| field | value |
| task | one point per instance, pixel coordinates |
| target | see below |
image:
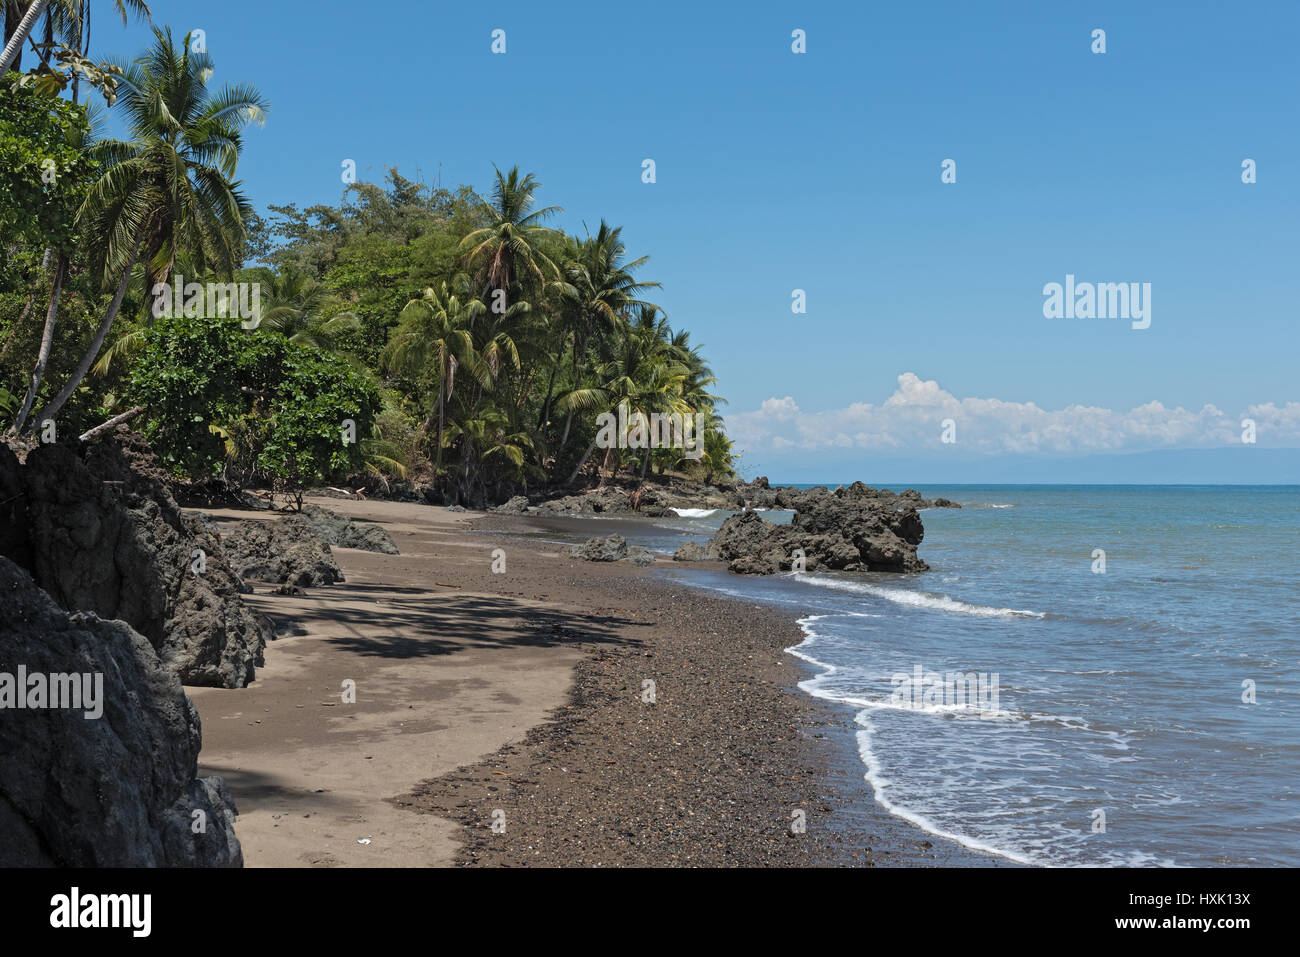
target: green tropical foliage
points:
(471, 343)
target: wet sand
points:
(519, 699)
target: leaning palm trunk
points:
(550, 386)
(47, 342)
(442, 416)
(20, 35)
(581, 462)
(564, 439)
(101, 334)
(608, 470)
(27, 308)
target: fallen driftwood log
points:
(111, 423)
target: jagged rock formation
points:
(612, 548)
(118, 790)
(99, 531)
(759, 494)
(853, 529)
(342, 531)
(656, 499)
(281, 552)
(637, 555)
(694, 552)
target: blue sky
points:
(821, 171)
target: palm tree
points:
(18, 26)
(505, 251)
(718, 453)
(79, 139)
(171, 187)
(293, 307)
(47, 342)
(71, 17)
(645, 372)
(597, 297)
(485, 437)
(433, 340)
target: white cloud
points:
(911, 420)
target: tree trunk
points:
(27, 307)
(442, 392)
(114, 421)
(581, 462)
(579, 345)
(14, 42)
(47, 342)
(550, 388)
(84, 365)
(564, 440)
(605, 473)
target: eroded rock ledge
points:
(118, 790)
(98, 530)
(655, 499)
(854, 529)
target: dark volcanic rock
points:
(638, 555)
(604, 500)
(341, 531)
(768, 564)
(743, 534)
(99, 531)
(118, 790)
(884, 535)
(515, 506)
(612, 548)
(853, 529)
(660, 496)
(283, 553)
(694, 552)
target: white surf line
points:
(872, 775)
(918, 599)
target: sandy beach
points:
(520, 698)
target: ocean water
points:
(1147, 714)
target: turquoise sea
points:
(1145, 714)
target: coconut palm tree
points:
(171, 187)
(718, 452)
(18, 27)
(505, 252)
(485, 438)
(293, 305)
(432, 341)
(70, 18)
(699, 374)
(646, 372)
(599, 292)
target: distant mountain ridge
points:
(1247, 465)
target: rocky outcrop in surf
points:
(760, 495)
(853, 529)
(98, 746)
(612, 548)
(669, 497)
